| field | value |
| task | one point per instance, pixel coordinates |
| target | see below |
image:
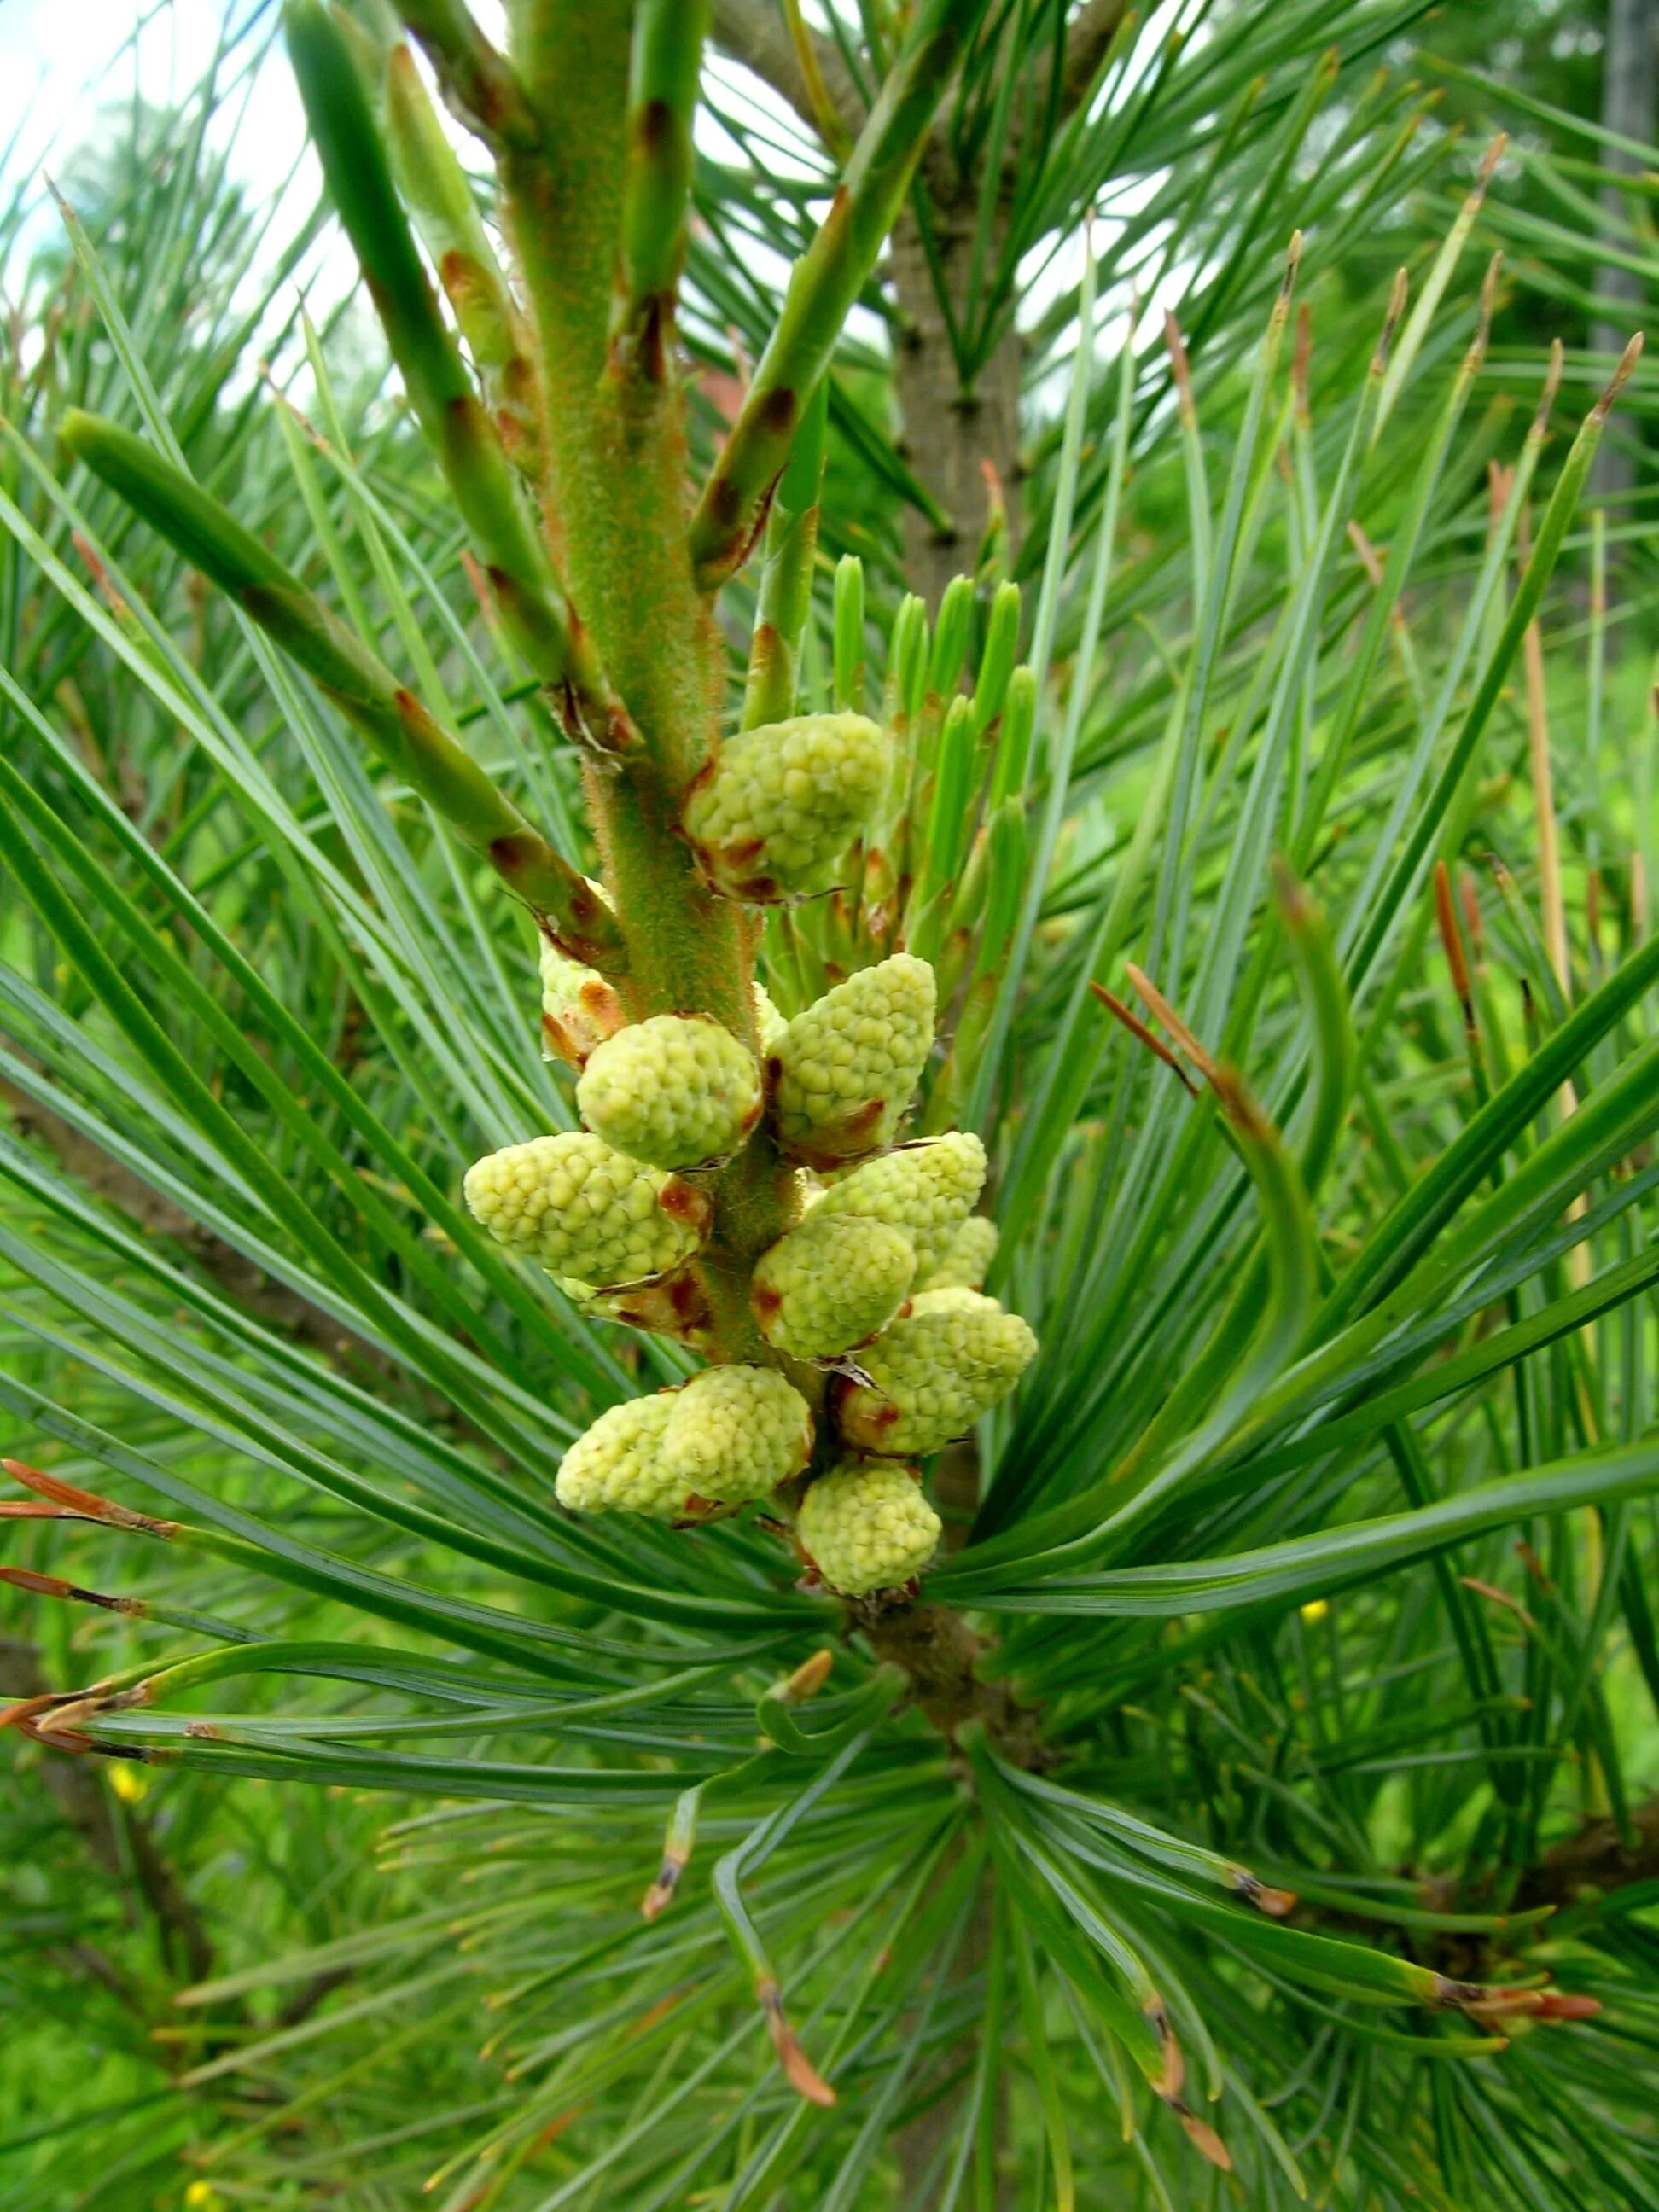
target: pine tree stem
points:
(941, 1654)
(615, 495)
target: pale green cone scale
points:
(866, 1526)
(950, 1297)
(924, 1189)
(678, 1090)
(768, 1021)
(952, 1358)
(736, 1433)
(774, 812)
(831, 1284)
(580, 1009)
(618, 1465)
(846, 1067)
(577, 1208)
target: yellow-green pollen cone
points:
(866, 1526)
(831, 1284)
(678, 1090)
(774, 812)
(735, 1433)
(578, 1208)
(847, 1065)
(924, 1189)
(967, 1259)
(952, 1358)
(618, 1465)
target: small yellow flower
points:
(1315, 1609)
(130, 1783)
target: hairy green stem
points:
(615, 481)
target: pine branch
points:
(480, 85)
(1598, 1857)
(246, 1286)
(536, 610)
(753, 32)
(940, 1655)
(1086, 45)
(407, 737)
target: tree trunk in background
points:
(1630, 106)
(947, 433)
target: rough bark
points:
(947, 431)
(950, 432)
(942, 1654)
(753, 32)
